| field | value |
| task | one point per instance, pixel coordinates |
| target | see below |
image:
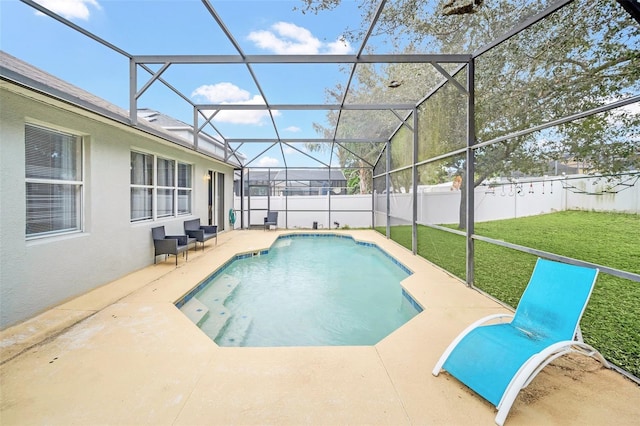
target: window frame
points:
(142, 186)
(187, 190)
(77, 185)
(155, 187)
(160, 189)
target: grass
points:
(611, 322)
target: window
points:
(54, 181)
(184, 188)
(166, 187)
(166, 181)
(141, 186)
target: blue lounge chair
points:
(497, 360)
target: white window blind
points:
(141, 186)
(54, 181)
(166, 187)
(184, 188)
(160, 187)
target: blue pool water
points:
(306, 291)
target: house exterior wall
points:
(36, 274)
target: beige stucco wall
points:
(37, 274)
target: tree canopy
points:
(583, 56)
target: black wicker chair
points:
(201, 233)
(271, 219)
(170, 244)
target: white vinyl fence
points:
(441, 205)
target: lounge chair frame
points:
(534, 364)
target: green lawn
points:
(611, 322)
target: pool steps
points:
(214, 319)
(237, 329)
(195, 310)
(217, 319)
(282, 243)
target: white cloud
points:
(339, 47)
(255, 117)
(222, 93)
(293, 129)
(288, 38)
(229, 93)
(289, 150)
(267, 161)
(70, 9)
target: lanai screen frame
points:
(469, 150)
(467, 61)
(202, 113)
(202, 119)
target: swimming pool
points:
(306, 290)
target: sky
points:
(164, 27)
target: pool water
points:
(307, 291)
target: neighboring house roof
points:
(261, 175)
(323, 174)
(26, 75)
(310, 174)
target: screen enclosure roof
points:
(279, 83)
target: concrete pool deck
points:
(124, 354)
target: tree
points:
(370, 88)
(582, 56)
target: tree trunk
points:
(462, 223)
(363, 179)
